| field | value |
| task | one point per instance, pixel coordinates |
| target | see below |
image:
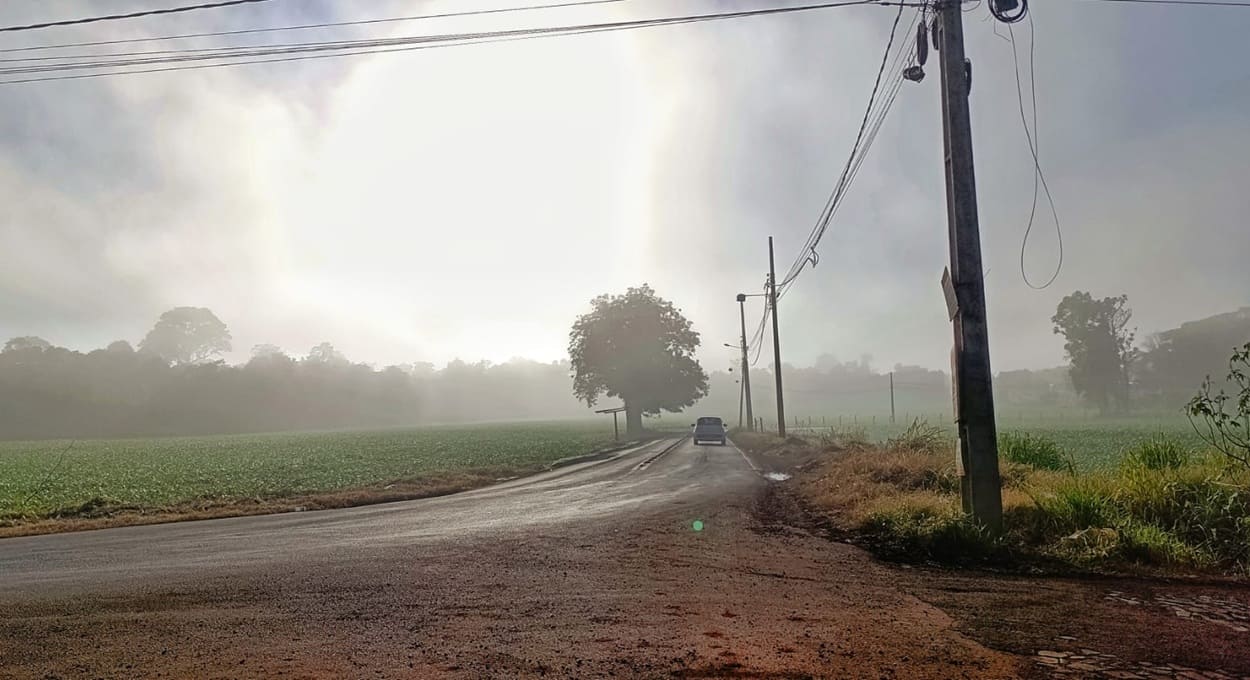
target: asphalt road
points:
(591, 570)
(634, 481)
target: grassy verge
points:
(60, 485)
(1164, 507)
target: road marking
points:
(744, 457)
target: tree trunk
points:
(633, 420)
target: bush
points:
(1032, 450)
(1159, 453)
(1148, 543)
(920, 436)
(1076, 504)
(926, 533)
(1221, 419)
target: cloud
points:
(468, 202)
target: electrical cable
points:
(822, 223)
(1196, 3)
(344, 48)
(860, 150)
(1034, 141)
(131, 15)
(304, 27)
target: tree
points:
(1177, 358)
(1225, 417)
(265, 350)
(325, 353)
(25, 342)
(1099, 346)
(119, 347)
(637, 347)
(187, 335)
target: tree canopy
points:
(27, 342)
(1099, 345)
(638, 347)
(187, 335)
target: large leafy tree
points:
(638, 347)
(187, 335)
(27, 342)
(1099, 345)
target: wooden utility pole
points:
(973, 395)
(746, 369)
(891, 397)
(772, 302)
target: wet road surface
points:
(592, 570)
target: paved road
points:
(592, 570)
(645, 478)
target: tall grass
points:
(1033, 450)
(1156, 454)
(1164, 505)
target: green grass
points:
(1092, 443)
(39, 478)
(1032, 450)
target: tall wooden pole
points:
(772, 302)
(974, 396)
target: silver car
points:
(709, 429)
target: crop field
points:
(1092, 443)
(44, 477)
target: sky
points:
(468, 202)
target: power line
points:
(303, 27)
(131, 15)
(1034, 140)
(858, 150)
(378, 46)
(1196, 3)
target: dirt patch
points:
(99, 514)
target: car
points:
(709, 429)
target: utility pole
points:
(772, 301)
(891, 397)
(746, 369)
(974, 397)
(740, 393)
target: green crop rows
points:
(1092, 443)
(37, 478)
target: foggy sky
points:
(468, 202)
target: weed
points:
(851, 437)
(923, 532)
(1156, 454)
(920, 436)
(1032, 450)
(1076, 504)
(1151, 544)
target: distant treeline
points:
(54, 392)
(173, 384)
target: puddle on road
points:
(776, 476)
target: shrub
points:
(1032, 450)
(926, 533)
(1148, 543)
(1157, 454)
(1078, 503)
(920, 436)
(1223, 420)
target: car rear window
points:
(709, 421)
